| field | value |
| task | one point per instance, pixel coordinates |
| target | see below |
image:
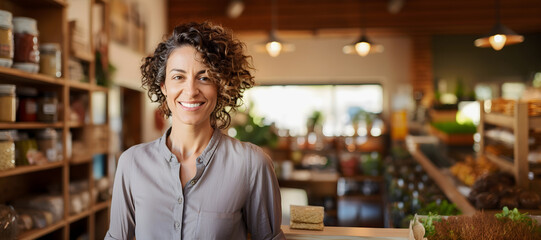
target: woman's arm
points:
(122, 223)
(263, 210)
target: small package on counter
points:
(306, 217)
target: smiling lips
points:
(191, 106)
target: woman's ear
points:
(163, 89)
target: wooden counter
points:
(346, 233)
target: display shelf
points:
(101, 205)
(31, 168)
(521, 124)
(36, 233)
(346, 233)
(462, 139)
(78, 216)
(80, 160)
(12, 75)
(76, 124)
(444, 181)
(83, 55)
(30, 125)
(503, 164)
(79, 85)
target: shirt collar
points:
(205, 156)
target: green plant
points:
(314, 120)
(515, 215)
(256, 132)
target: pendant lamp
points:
(500, 35)
(273, 46)
(363, 46)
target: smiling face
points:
(191, 95)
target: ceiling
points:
(327, 16)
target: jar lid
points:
(27, 91)
(25, 25)
(7, 89)
(49, 47)
(6, 135)
(5, 19)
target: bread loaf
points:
(306, 214)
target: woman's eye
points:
(204, 79)
(177, 77)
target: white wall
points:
(319, 60)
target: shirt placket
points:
(178, 209)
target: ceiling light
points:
(363, 46)
(235, 8)
(273, 46)
(500, 35)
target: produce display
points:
(498, 190)
(469, 170)
(509, 224)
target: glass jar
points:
(28, 104)
(50, 59)
(47, 105)
(7, 151)
(47, 143)
(7, 103)
(26, 54)
(6, 39)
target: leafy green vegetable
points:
(444, 209)
(515, 216)
(428, 223)
(454, 127)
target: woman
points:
(195, 182)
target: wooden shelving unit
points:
(448, 184)
(52, 21)
(521, 124)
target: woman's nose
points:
(191, 87)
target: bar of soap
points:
(307, 226)
(306, 214)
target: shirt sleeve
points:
(263, 210)
(122, 220)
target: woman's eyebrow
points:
(177, 70)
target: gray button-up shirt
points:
(234, 192)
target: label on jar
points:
(6, 43)
(49, 108)
(51, 154)
(31, 107)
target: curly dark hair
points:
(229, 68)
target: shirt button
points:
(199, 160)
(193, 182)
(179, 200)
(177, 225)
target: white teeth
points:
(191, 105)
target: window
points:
(290, 106)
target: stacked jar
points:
(50, 59)
(6, 39)
(47, 107)
(7, 151)
(26, 55)
(7, 103)
(28, 104)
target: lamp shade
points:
(499, 37)
(362, 47)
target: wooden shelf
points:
(78, 216)
(83, 55)
(36, 233)
(31, 168)
(76, 124)
(84, 86)
(499, 119)
(462, 139)
(80, 160)
(507, 121)
(444, 182)
(11, 75)
(100, 88)
(30, 125)
(43, 3)
(503, 164)
(101, 205)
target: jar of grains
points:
(47, 105)
(7, 103)
(7, 151)
(6, 39)
(26, 54)
(50, 59)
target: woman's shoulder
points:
(140, 150)
(247, 150)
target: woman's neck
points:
(186, 140)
